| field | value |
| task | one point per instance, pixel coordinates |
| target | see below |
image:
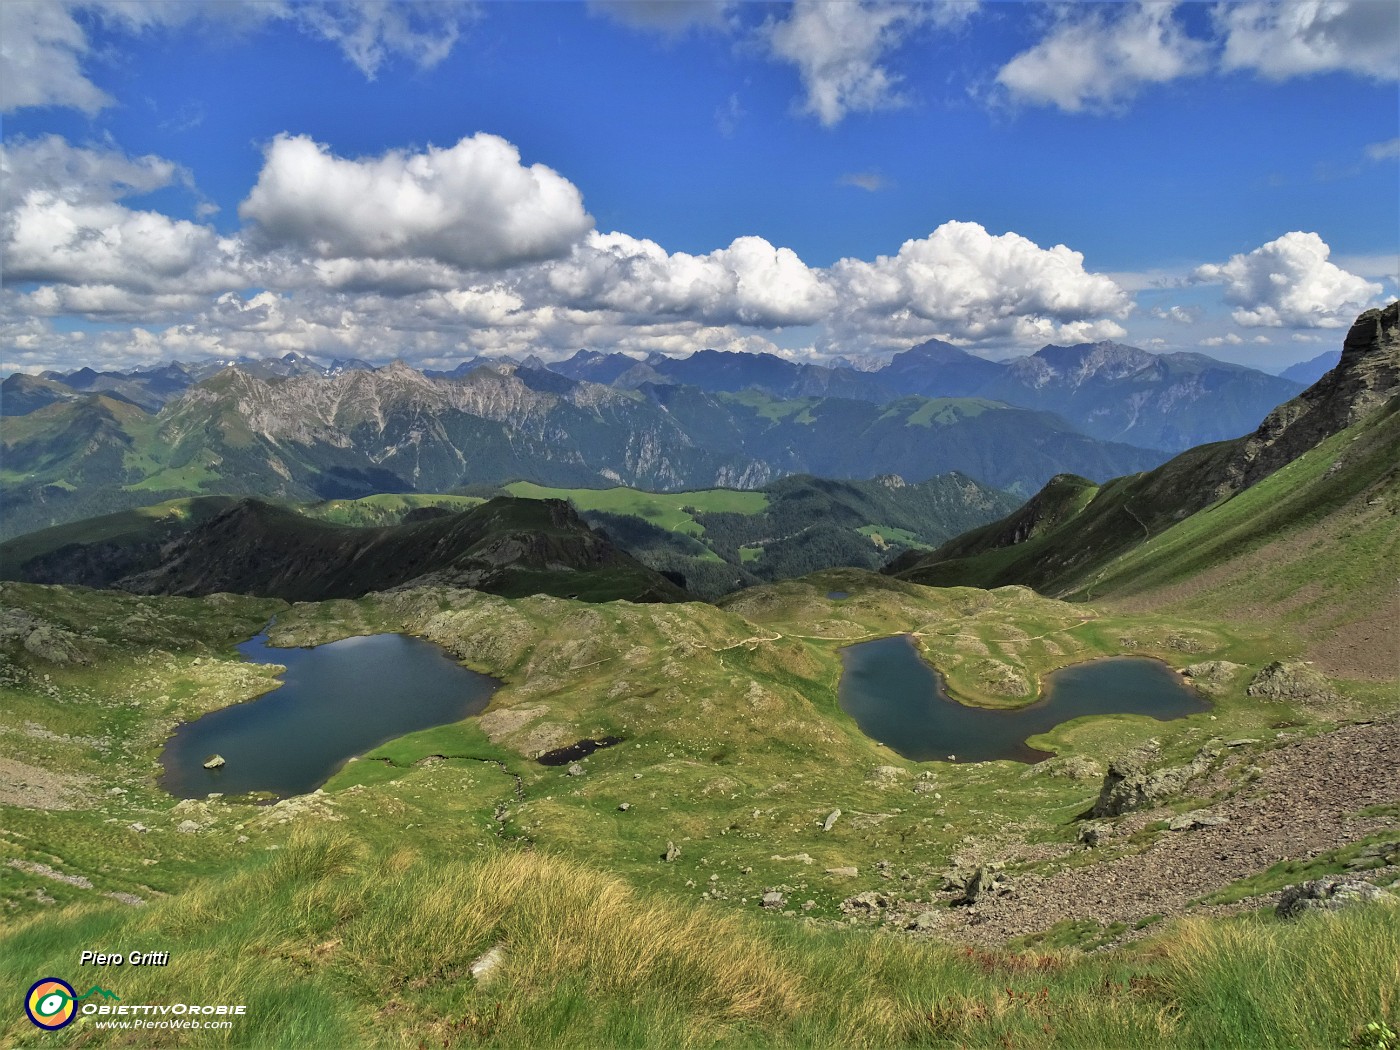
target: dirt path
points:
(1306, 800)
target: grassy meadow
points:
(353, 915)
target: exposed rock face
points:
(1367, 376)
(1330, 895)
(1293, 681)
(1130, 785)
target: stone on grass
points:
(831, 819)
(1330, 895)
(484, 965)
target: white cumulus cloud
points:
(750, 282)
(1289, 282)
(963, 282)
(473, 205)
(1098, 56)
(1301, 37)
(63, 224)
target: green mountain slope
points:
(1200, 511)
(1299, 549)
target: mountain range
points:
(1106, 390)
(311, 436)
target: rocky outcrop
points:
(1212, 676)
(1367, 376)
(1130, 785)
(1294, 682)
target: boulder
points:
(575, 770)
(672, 851)
(1212, 675)
(831, 819)
(1330, 895)
(773, 899)
(214, 762)
(1198, 818)
(1094, 834)
(1071, 767)
(869, 901)
(985, 880)
(886, 776)
(483, 966)
(843, 873)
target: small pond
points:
(899, 700)
(336, 700)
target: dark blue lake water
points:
(899, 700)
(335, 701)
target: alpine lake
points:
(336, 701)
(899, 700)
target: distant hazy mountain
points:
(1106, 390)
(1311, 371)
(313, 436)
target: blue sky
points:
(819, 179)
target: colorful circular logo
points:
(50, 1004)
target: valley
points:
(687, 785)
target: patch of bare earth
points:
(1306, 800)
(30, 787)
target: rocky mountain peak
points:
(1366, 377)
